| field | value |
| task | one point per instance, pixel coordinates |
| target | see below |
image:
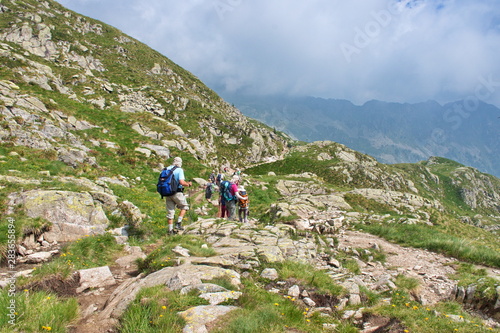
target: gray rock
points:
(132, 212)
(455, 318)
(197, 317)
(309, 302)
(203, 287)
(334, 262)
(354, 299)
(181, 251)
(220, 297)
(72, 214)
(95, 278)
(181, 279)
(270, 273)
(38, 257)
(294, 291)
(270, 254)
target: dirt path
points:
(93, 302)
(431, 269)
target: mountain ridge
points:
(391, 132)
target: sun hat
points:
(178, 162)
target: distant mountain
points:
(390, 132)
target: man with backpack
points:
(177, 199)
(209, 189)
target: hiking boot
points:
(172, 232)
(178, 226)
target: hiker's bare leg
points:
(179, 219)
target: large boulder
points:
(73, 214)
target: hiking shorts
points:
(177, 200)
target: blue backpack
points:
(167, 184)
(225, 191)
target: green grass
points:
(414, 317)
(37, 312)
(361, 204)
(376, 255)
(406, 283)
(155, 310)
(467, 275)
(308, 276)
(87, 252)
(263, 311)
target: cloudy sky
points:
(390, 50)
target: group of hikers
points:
(232, 195)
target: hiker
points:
(209, 189)
(222, 198)
(237, 172)
(231, 198)
(219, 179)
(212, 177)
(222, 202)
(178, 199)
(243, 204)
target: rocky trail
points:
(106, 294)
(431, 269)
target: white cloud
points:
(406, 51)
